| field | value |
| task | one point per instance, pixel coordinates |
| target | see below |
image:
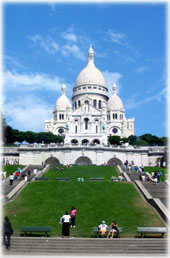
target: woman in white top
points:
(66, 224)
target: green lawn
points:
(157, 169)
(42, 203)
(11, 168)
(82, 171)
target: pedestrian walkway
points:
(159, 190)
(7, 188)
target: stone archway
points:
(114, 162)
(52, 161)
(83, 161)
(96, 141)
(74, 141)
(85, 141)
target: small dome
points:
(90, 74)
(63, 102)
(114, 102)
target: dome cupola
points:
(90, 74)
(114, 102)
(63, 102)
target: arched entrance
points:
(85, 141)
(74, 141)
(96, 141)
(52, 161)
(83, 161)
(115, 161)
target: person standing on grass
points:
(114, 228)
(7, 232)
(73, 216)
(65, 224)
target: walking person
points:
(7, 232)
(73, 216)
(65, 224)
(11, 179)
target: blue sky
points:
(45, 45)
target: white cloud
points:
(74, 50)
(47, 43)
(141, 69)
(69, 36)
(118, 38)
(11, 61)
(133, 102)
(31, 81)
(111, 78)
(27, 112)
(121, 39)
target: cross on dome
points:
(91, 55)
(63, 89)
(114, 88)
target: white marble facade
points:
(93, 116)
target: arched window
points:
(96, 128)
(79, 103)
(115, 116)
(62, 116)
(76, 129)
(94, 102)
(86, 123)
(75, 104)
(100, 104)
(86, 106)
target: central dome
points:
(90, 74)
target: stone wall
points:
(90, 155)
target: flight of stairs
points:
(87, 246)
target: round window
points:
(61, 130)
(114, 130)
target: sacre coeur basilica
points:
(86, 125)
(93, 116)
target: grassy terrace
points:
(157, 169)
(42, 203)
(11, 168)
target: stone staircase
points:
(87, 246)
(159, 191)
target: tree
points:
(132, 139)
(141, 143)
(29, 136)
(115, 140)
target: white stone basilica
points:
(93, 116)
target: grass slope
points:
(11, 168)
(43, 203)
(157, 169)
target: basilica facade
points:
(93, 116)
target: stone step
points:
(52, 246)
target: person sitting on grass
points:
(114, 228)
(102, 227)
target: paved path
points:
(7, 188)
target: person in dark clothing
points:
(114, 228)
(7, 232)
